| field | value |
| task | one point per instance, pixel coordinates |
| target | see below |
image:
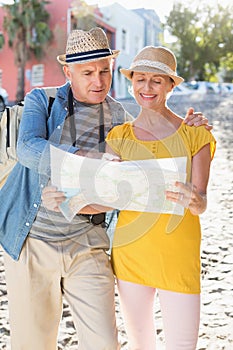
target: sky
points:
(161, 7)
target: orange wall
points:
(53, 74)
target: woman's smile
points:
(147, 96)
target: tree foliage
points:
(26, 23)
(204, 38)
(2, 40)
(227, 67)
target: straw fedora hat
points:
(83, 46)
(158, 60)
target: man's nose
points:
(98, 79)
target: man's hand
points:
(111, 157)
(52, 198)
(99, 155)
(196, 119)
(89, 154)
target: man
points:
(45, 257)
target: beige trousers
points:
(35, 287)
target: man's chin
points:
(97, 98)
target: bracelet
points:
(203, 196)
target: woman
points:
(161, 252)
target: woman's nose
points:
(148, 84)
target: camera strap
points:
(73, 127)
(96, 219)
(101, 129)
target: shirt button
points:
(59, 127)
(27, 224)
(42, 186)
(35, 205)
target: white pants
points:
(180, 313)
(35, 285)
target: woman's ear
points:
(171, 86)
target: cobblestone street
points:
(216, 328)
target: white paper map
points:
(130, 185)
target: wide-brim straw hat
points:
(87, 46)
(152, 59)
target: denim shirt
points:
(20, 197)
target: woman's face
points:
(151, 90)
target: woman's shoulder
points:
(194, 130)
(121, 129)
(197, 137)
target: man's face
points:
(90, 81)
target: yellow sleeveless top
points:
(159, 250)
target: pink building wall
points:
(53, 74)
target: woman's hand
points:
(52, 198)
(187, 196)
(196, 119)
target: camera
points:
(96, 219)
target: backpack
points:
(9, 127)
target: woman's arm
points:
(200, 177)
(193, 196)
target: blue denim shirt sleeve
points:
(20, 197)
(37, 131)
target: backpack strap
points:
(50, 91)
(51, 100)
(7, 126)
(18, 106)
(51, 95)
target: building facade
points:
(126, 31)
(45, 72)
(134, 30)
(152, 24)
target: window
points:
(37, 75)
(137, 41)
(123, 39)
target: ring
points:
(181, 196)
